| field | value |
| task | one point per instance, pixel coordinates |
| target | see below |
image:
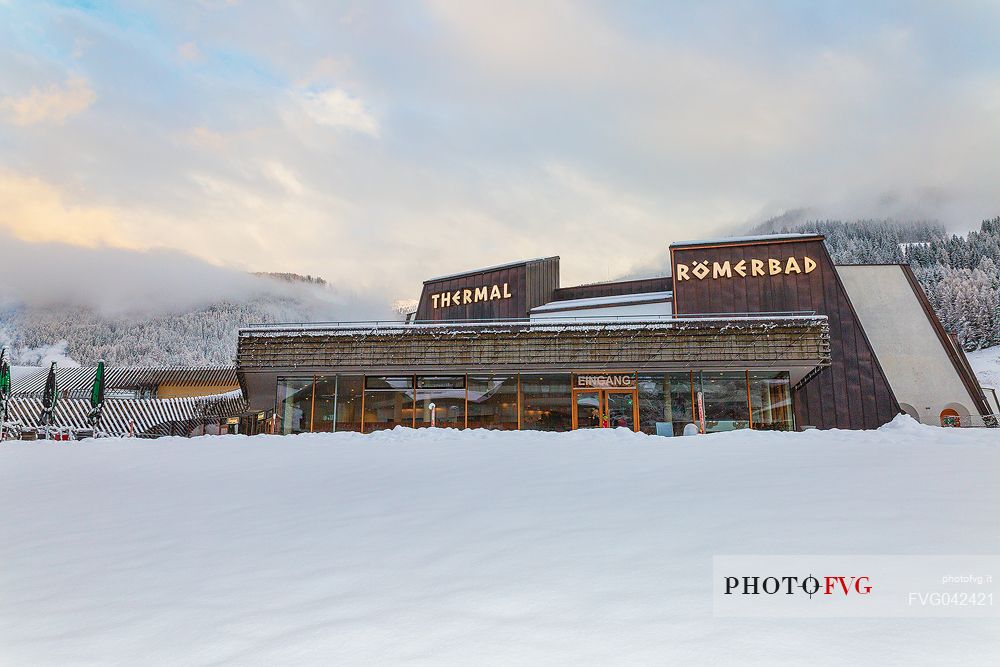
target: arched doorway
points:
(910, 410)
(950, 417)
(953, 414)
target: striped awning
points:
(78, 381)
(140, 416)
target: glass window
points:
(441, 382)
(493, 402)
(546, 402)
(294, 406)
(665, 403)
(325, 404)
(388, 402)
(725, 398)
(388, 383)
(771, 401)
(338, 404)
(619, 406)
(588, 408)
(447, 394)
(349, 391)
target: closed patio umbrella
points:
(96, 397)
(49, 400)
(4, 391)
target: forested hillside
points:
(961, 274)
(193, 335)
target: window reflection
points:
(388, 402)
(665, 406)
(546, 402)
(447, 394)
(294, 405)
(771, 401)
(493, 402)
(725, 398)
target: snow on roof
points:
(498, 267)
(722, 321)
(604, 301)
(744, 239)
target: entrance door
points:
(620, 408)
(587, 409)
(605, 408)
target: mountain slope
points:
(196, 334)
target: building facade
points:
(746, 333)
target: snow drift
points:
(472, 547)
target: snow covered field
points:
(470, 548)
(986, 363)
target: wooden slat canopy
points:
(758, 341)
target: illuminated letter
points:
(740, 267)
(701, 270)
(682, 272)
(495, 292)
(445, 299)
(810, 265)
(434, 300)
(456, 297)
(482, 293)
(506, 291)
(466, 296)
(756, 267)
(721, 270)
(774, 266)
(791, 266)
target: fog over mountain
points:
(72, 304)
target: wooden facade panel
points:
(620, 288)
(526, 283)
(853, 392)
(542, 281)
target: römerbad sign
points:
(744, 268)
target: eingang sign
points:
(744, 268)
(603, 381)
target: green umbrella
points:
(4, 375)
(97, 396)
(4, 391)
(49, 398)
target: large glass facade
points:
(546, 402)
(442, 396)
(493, 402)
(667, 402)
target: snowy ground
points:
(470, 548)
(986, 363)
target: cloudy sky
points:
(381, 143)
